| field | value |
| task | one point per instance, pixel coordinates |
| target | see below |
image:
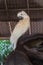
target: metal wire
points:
(7, 14)
(10, 27)
(28, 13)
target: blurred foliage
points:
(5, 49)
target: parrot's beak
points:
(20, 17)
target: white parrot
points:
(21, 27)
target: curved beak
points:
(20, 17)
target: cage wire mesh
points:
(34, 8)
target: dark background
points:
(9, 10)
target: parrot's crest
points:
(22, 14)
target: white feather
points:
(20, 28)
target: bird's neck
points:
(26, 19)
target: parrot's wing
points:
(19, 30)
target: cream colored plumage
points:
(20, 28)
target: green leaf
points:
(4, 49)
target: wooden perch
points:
(34, 52)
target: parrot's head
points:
(22, 15)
